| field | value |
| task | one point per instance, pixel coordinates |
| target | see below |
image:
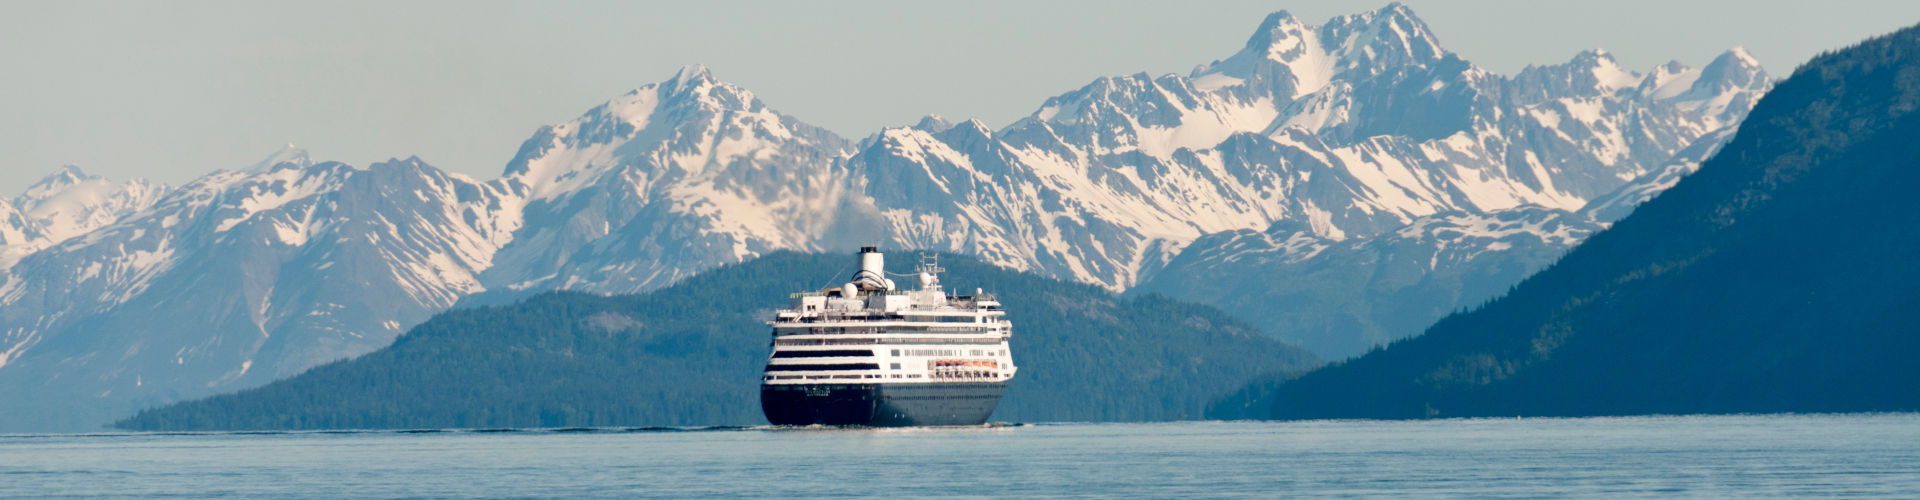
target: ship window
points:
(823, 354)
(822, 367)
(896, 366)
(896, 352)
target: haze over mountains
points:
(1779, 278)
(1312, 151)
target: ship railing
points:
(830, 318)
(990, 341)
(782, 330)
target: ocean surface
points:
(1794, 456)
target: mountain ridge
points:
(1737, 290)
(1107, 184)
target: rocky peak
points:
(69, 202)
(691, 76)
(688, 123)
(1286, 58)
(970, 132)
(288, 154)
(1377, 40)
(1279, 32)
(65, 176)
(1733, 69)
(933, 124)
(1660, 82)
(1590, 73)
(695, 86)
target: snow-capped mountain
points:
(65, 204)
(664, 181)
(1338, 298)
(241, 277)
(1352, 129)
(16, 232)
(1617, 204)
(1369, 290)
(236, 279)
(1344, 135)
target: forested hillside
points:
(1348, 131)
(691, 354)
(1782, 277)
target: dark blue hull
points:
(881, 405)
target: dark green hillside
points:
(691, 355)
(1784, 276)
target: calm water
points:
(1731, 456)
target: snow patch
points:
(1204, 83)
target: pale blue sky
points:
(171, 90)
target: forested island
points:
(691, 354)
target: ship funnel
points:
(873, 270)
(871, 260)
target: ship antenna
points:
(930, 263)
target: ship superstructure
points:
(868, 353)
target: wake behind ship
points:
(867, 353)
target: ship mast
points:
(930, 270)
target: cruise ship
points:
(867, 353)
